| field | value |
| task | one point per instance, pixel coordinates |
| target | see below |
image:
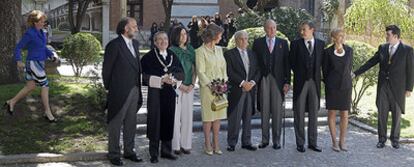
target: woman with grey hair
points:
(210, 65)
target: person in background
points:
(195, 40)
(154, 29)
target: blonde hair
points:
(35, 16)
(336, 32)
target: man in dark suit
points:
(305, 59)
(395, 82)
(243, 76)
(121, 74)
(273, 61)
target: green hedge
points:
(287, 18)
(254, 33)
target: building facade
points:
(103, 15)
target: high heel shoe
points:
(54, 120)
(8, 108)
(208, 151)
(335, 148)
(343, 147)
(217, 151)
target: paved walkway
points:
(362, 152)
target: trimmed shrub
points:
(81, 49)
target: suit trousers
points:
(125, 119)
(386, 104)
(307, 102)
(243, 111)
(270, 107)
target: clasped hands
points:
(168, 79)
(247, 85)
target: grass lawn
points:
(369, 114)
(81, 126)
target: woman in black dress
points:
(337, 66)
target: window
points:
(311, 8)
(135, 10)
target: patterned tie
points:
(270, 46)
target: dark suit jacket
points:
(237, 73)
(337, 74)
(120, 73)
(298, 51)
(399, 74)
(275, 63)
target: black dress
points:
(337, 78)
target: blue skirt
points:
(35, 71)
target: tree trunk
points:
(10, 33)
(338, 21)
(167, 10)
(82, 5)
(242, 4)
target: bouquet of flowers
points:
(219, 88)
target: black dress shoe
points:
(276, 146)
(116, 162)
(380, 145)
(154, 160)
(300, 149)
(133, 158)
(185, 151)
(315, 148)
(8, 108)
(263, 145)
(177, 152)
(230, 148)
(169, 156)
(396, 145)
(249, 147)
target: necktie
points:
(270, 46)
(245, 60)
(310, 47)
(391, 53)
(131, 48)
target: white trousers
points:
(183, 121)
